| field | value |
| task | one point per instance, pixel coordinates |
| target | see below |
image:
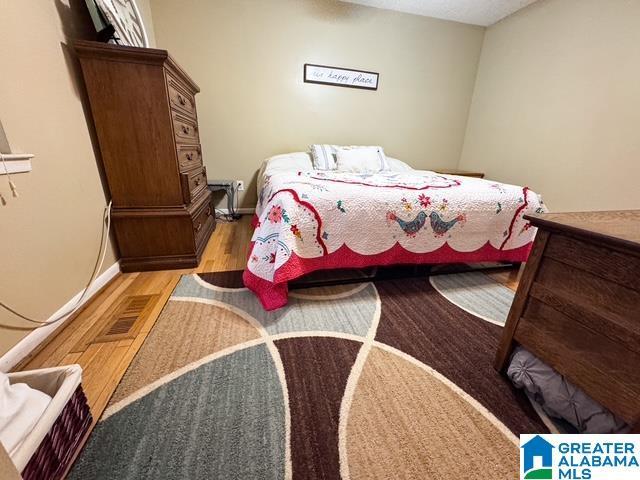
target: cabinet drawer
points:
(185, 129)
(612, 265)
(179, 98)
(193, 182)
(607, 307)
(189, 157)
(202, 220)
(604, 369)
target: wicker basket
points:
(57, 450)
(51, 446)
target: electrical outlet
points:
(240, 185)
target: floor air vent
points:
(127, 319)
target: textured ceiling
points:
(476, 12)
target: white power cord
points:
(106, 226)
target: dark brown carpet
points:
(419, 321)
(317, 370)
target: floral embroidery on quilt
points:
(271, 258)
(275, 214)
(444, 205)
(296, 231)
(406, 205)
(425, 201)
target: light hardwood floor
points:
(104, 358)
(104, 353)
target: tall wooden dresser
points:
(144, 110)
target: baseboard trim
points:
(241, 211)
(36, 338)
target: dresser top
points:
(121, 53)
(621, 227)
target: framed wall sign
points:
(340, 77)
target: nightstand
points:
(462, 173)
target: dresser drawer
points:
(203, 219)
(612, 265)
(185, 129)
(189, 157)
(602, 367)
(193, 182)
(606, 307)
(179, 98)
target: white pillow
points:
(361, 159)
(287, 162)
(324, 156)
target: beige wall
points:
(557, 103)
(247, 57)
(49, 236)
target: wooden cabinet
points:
(578, 305)
(144, 110)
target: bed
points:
(308, 220)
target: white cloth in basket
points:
(20, 409)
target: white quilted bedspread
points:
(315, 213)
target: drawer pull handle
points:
(198, 180)
(185, 129)
(181, 100)
(189, 156)
(208, 214)
(198, 227)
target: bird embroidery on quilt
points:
(410, 228)
(438, 224)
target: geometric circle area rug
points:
(380, 380)
(477, 294)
